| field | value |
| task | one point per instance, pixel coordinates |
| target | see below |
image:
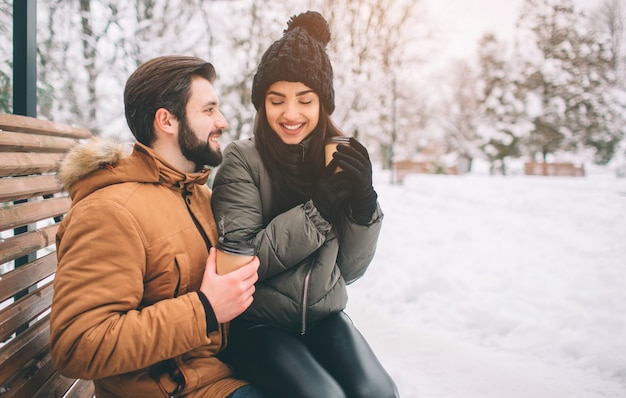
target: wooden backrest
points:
(32, 204)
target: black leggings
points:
(332, 360)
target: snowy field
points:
(492, 287)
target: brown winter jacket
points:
(131, 259)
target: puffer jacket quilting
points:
(305, 262)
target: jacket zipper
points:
(305, 290)
(305, 294)
(303, 151)
(208, 245)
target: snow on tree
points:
(375, 45)
(87, 49)
(568, 82)
(503, 125)
(609, 18)
(258, 24)
(559, 82)
(459, 114)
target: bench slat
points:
(25, 310)
(27, 275)
(42, 380)
(26, 243)
(15, 354)
(30, 125)
(30, 212)
(28, 187)
(22, 142)
(18, 164)
(30, 195)
(29, 380)
(81, 389)
(61, 386)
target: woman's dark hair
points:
(163, 82)
(293, 168)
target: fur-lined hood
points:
(99, 163)
(87, 157)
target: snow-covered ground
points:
(499, 287)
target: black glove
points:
(355, 162)
(332, 192)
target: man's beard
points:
(195, 150)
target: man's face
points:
(201, 127)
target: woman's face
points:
(292, 110)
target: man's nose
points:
(221, 122)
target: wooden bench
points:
(32, 205)
(554, 169)
(402, 168)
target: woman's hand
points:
(355, 162)
(332, 192)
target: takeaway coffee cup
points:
(232, 255)
(330, 147)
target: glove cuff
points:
(364, 207)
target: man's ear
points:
(165, 122)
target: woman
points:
(315, 228)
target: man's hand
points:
(229, 294)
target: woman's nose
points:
(291, 112)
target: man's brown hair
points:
(163, 82)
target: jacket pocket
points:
(183, 265)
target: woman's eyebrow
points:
(299, 93)
(304, 92)
(276, 93)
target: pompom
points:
(314, 23)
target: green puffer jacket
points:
(305, 261)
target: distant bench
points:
(402, 168)
(554, 169)
(31, 206)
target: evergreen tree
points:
(608, 19)
(568, 82)
(503, 125)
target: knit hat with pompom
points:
(299, 56)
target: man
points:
(138, 306)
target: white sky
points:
(462, 22)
